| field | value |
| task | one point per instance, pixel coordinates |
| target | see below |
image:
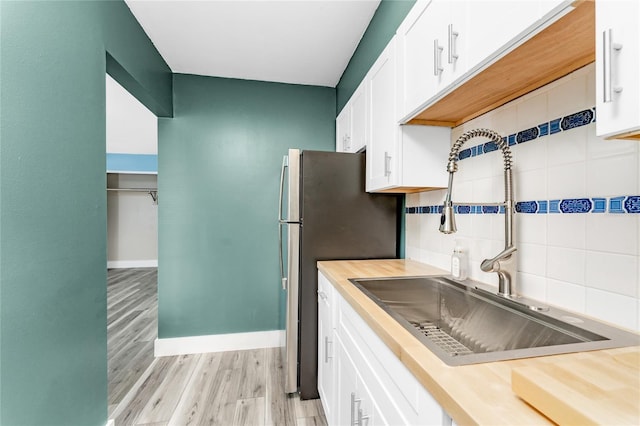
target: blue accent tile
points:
(490, 209)
(512, 139)
(477, 210)
(439, 209)
(632, 204)
(615, 205)
(554, 206)
(490, 146)
(526, 207)
(577, 119)
(505, 140)
(465, 153)
(527, 135)
(599, 205)
(501, 209)
(474, 151)
(554, 126)
(480, 149)
(463, 209)
(411, 210)
(542, 207)
(575, 205)
(544, 129)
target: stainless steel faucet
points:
(504, 263)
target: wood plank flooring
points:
(132, 327)
(220, 388)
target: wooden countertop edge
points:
(486, 396)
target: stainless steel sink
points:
(464, 324)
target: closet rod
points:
(134, 189)
(151, 191)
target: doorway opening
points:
(132, 241)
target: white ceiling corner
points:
(296, 41)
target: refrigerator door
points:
(289, 271)
(339, 221)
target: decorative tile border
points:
(562, 124)
(623, 204)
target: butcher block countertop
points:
(482, 394)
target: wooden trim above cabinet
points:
(563, 47)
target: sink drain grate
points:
(442, 339)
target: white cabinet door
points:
(359, 118)
(431, 44)
(345, 389)
(617, 67)
(415, 57)
(382, 151)
(343, 130)
(326, 347)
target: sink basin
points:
(464, 324)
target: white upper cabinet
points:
(430, 42)
(400, 158)
(359, 117)
(343, 130)
(618, 68)
(352, 122)
(494, 24)
(381, 152)
(443, 43)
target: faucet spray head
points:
(448, 220)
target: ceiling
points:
(296, 41)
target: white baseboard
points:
(119, 264)
(218, 343)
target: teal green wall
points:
(218, 173)
(380, 31)
(53, 365)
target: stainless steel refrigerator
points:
(325, 214)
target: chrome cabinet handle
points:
(453, 51)
(437, 58)
(361, 417)
(354, 401)
(387, 164)
(347, 144)
(327, 342)
(607, 47)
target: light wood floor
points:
(132, 327)
(221, 388)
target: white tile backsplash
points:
(567, 181)
(584, 262)
(612, 307)
(567, 295)
(612, 272)
(613, 233)
(532, 286)
(613, 175)
(567, 230)
(564, 264)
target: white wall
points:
(586, 262)
(132, 217)
(131, 127)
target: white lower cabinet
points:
(326, 347)
(370, 386)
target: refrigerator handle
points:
(281, 220)
(285, 164)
